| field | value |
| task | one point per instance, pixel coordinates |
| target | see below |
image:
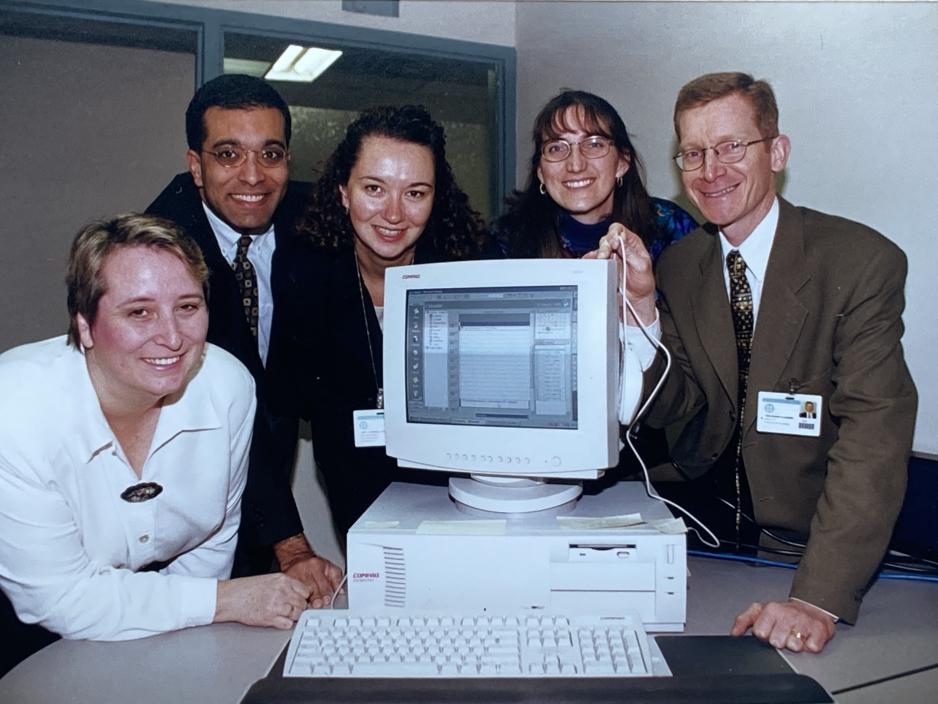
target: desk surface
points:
(897, 634)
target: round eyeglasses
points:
(590, 147)
(728, 152)
(232, 156)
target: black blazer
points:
(268, 509)
(329, 375)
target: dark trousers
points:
(20, 640)
(250, 561)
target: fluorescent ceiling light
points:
(246, 66)
(302, 64)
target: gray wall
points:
(469, 20)
(857, 95)
(58, 173)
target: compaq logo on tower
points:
(365, 575)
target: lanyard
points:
(371, 350)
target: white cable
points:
(337, 590)
(649, 489)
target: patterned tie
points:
(247, 282)
(741, 305)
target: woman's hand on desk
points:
(794, 625)
(266, 600)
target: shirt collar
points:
(193, 410)
(227, 236)
(92, 429)
(756, 248)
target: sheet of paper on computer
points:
(592, 523)
(475, 527)
(669, 526)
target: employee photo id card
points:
(369, 428)
(789, 414)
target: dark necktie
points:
(741, 306)
(247, 282)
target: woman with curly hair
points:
(585, 175)
(387, 197)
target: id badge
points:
(369, 428)
(789, 414)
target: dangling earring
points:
(346, 207)
(618, 182)
(541, 188)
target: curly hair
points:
(454, 230)
(531, 223)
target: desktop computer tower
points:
(415, 548)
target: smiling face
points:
(389, 196)
(583, 187)
(244, 196)
(147, 338)
(736, 197)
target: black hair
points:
(232, 92)
(454, 229)
(531, 221)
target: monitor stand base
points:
(512, 494)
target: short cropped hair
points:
(232, 92)
(713, 86)
(84, 278)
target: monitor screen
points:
(505, 368)
(493, 356)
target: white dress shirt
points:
(261, 255)
(70, 546)
(755, 251)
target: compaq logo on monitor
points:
(410, 276)
(366, 575)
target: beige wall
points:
(857, 94)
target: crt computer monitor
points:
(505, 370)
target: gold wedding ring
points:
(798, 634)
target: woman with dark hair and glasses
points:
(585, 175)
(387, 197)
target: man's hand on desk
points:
(297, 560)
(794, 625)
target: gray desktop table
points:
(891, 655)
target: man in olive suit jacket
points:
(822, 298)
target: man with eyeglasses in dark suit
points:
(238, 203)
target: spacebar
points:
(394, 669)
